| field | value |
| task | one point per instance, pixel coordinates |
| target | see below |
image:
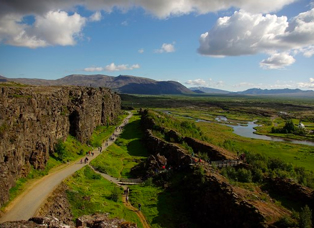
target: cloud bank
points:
(245, 33)
(53, 25)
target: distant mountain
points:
(121, 83)
(208, 90)
(256, 91)
(3, 79)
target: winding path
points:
(26, 205)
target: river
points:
(248, 131)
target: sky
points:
(231, 45)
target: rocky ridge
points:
(32, 119)
(212, 199)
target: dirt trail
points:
(126, 204)
(26, 205)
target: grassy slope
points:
(90, 193)
(125, 153)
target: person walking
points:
(139, 207)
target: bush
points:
(305, 220)
(115, 194)
(60, 150)
(148, 182)
(244, 175)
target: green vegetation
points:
(69, 150)
(305, 220)
(262, 167)
(89, 193)
(125, 153)
(184, 127)
(102, 133)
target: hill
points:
(291, 92)
(208, 90)
(120, 84)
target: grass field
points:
(90, 193)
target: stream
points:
(247, 130)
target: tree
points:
(289, 127)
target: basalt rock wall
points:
(175, 155)
(215, 153)
(32, 119)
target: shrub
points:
(148, 182)
(115, 194)
(60, 150)
(305, 220)
(244, 175)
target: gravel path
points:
(26, 205)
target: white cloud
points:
(141, 51)
(244, 33)
(96, 16)
(277, 61)
(309, 84)
(197, 82)
(113, 67)
(53, 28)
(14, 31)
(166, 48)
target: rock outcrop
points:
(92, 221)
(57, 206)
(32, 119)
(215, 153)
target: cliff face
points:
(32, 119)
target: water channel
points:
(247, 130)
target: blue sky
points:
(232, 45)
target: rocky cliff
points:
(32, 119)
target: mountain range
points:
(139, 85)
(121, 84)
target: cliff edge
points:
(32, 119)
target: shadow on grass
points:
(132, 130)
(284, 200)
(136, 148)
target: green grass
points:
(162, 207)
(125, 153)
(299, 155)
(90, 193)
(102, 133)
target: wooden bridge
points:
(124, 181)
(219, 164)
